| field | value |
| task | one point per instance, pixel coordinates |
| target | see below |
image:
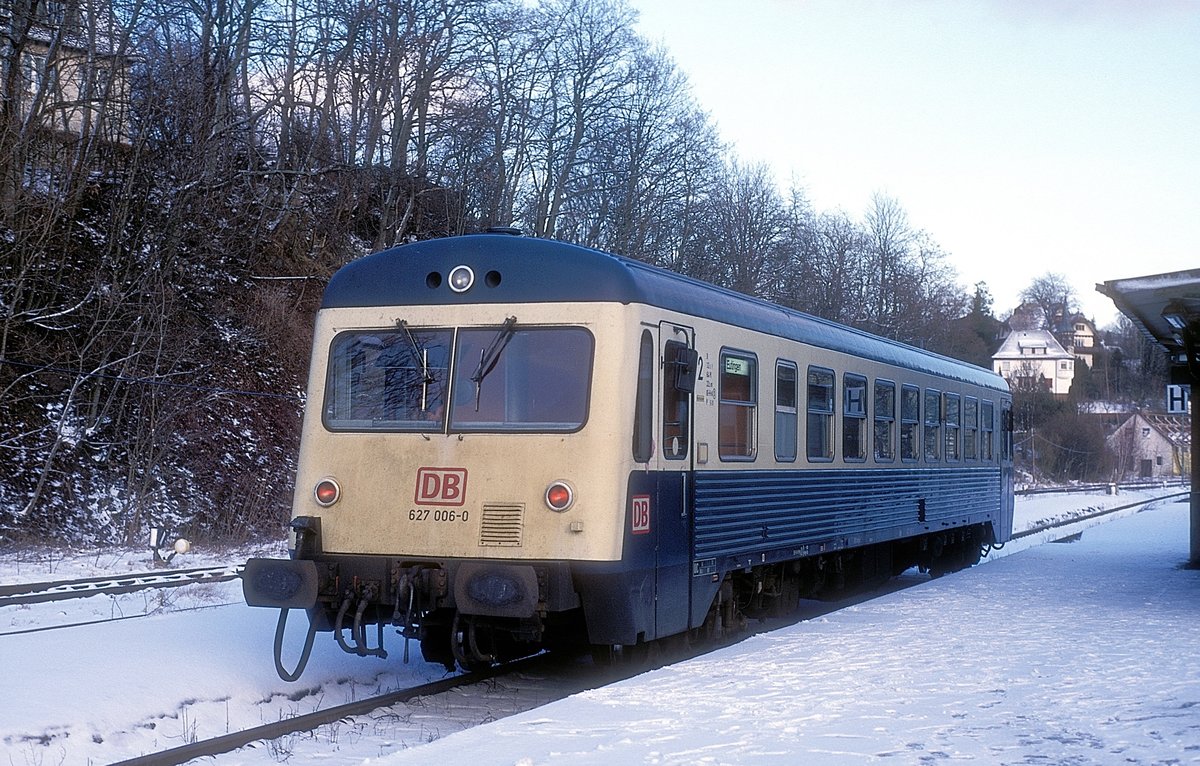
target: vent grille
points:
(502, 525)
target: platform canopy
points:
(1166, 307)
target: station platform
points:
(1083, 653)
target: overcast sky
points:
(1024, 136)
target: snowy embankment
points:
(1065, 653)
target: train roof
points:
(516, 269)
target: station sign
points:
(1179, 399)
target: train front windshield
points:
(484, 379)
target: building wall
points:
(68, 87)
(1034, 360)
(1143, 450)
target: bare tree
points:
(1053, 294)
(588, 77)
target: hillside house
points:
(1033, 360)
(1151, 446)
(61, 69)
(1077, 334)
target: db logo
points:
(640, 515)
(441, 486)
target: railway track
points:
(1057, 523)
(310, 721)
(61, 590)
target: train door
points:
(1007, 498)
(675, 459)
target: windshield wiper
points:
(422, 357)
(491, 355)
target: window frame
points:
(914, 423)
(643, 400)
(887, 418)
(932, 428)
(672, 399)
(951, 427)
(849, 418)
(826, 414)
(987, 431)
(724, 404)
(970, 433)
(787, 418)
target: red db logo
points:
(441, 486)
(640, 515)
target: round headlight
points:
(559, 496)
(461, 278)
(327, 492)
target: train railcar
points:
(513, 443)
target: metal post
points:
(1194, 534)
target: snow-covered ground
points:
(1066, 653)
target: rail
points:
(1085, 517)
(62, 590)
(309, 721)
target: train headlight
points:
(461, 278)
(559, 496)
(327, 492)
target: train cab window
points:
(933, 426)
(643, 403)
(786, 417)
(736, 414)
(513, 378)
(854, 418)
(987, 427)
(953, 413)
(970, 433)
(676, 403)
(910, 423)
(388, 380)
(820, 414)
(885, 421)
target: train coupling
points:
(280, 583)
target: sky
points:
(1025, 136)
(1046, 653)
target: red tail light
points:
(327, 492)
(559, 496)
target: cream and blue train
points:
(513, 443)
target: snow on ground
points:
(1080, 653)
(1071, 653)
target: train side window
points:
(885, 421)
(910, 423)
(970, 428)
(933, 425)
(953, 412)
(785, 412)
(736, 431)
(820, 414)
(1006, 431)
(675, 403)
(854, 418)
(643, 403)
(987, 441)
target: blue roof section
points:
(513, 269)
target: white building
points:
(1032, 360)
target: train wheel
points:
(435, 643)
